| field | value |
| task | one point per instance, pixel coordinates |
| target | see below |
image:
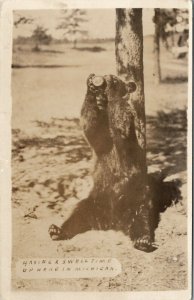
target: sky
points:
(100, 24)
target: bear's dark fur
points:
(123, 197)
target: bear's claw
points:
(144, 244)
(55, 232)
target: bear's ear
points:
(90, 77)
(131, 86)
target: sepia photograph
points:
(99, 149)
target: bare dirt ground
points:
(49, 152)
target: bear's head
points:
(110, 86)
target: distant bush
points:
(40, 37)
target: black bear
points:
(121, 198)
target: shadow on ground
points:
(175, 80)
(91, 49)
(167, 141)
(37, 50)
(47, 51)
(20, 66)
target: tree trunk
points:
(129, 59)
(172, 38)
(36, 47)
(157, 68)
(75, 44)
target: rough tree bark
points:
(157, 67)
(129, 59)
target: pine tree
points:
(71, 25)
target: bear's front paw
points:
(55, 232)
(144, 243)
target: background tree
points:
(71, 24)
(21, 20)
(40, 37)
(166, 23)
(170, 21)
(157, 67)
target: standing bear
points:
(121, 198)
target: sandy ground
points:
(49, 151)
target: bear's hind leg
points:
(142, 231)
(82, 219)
